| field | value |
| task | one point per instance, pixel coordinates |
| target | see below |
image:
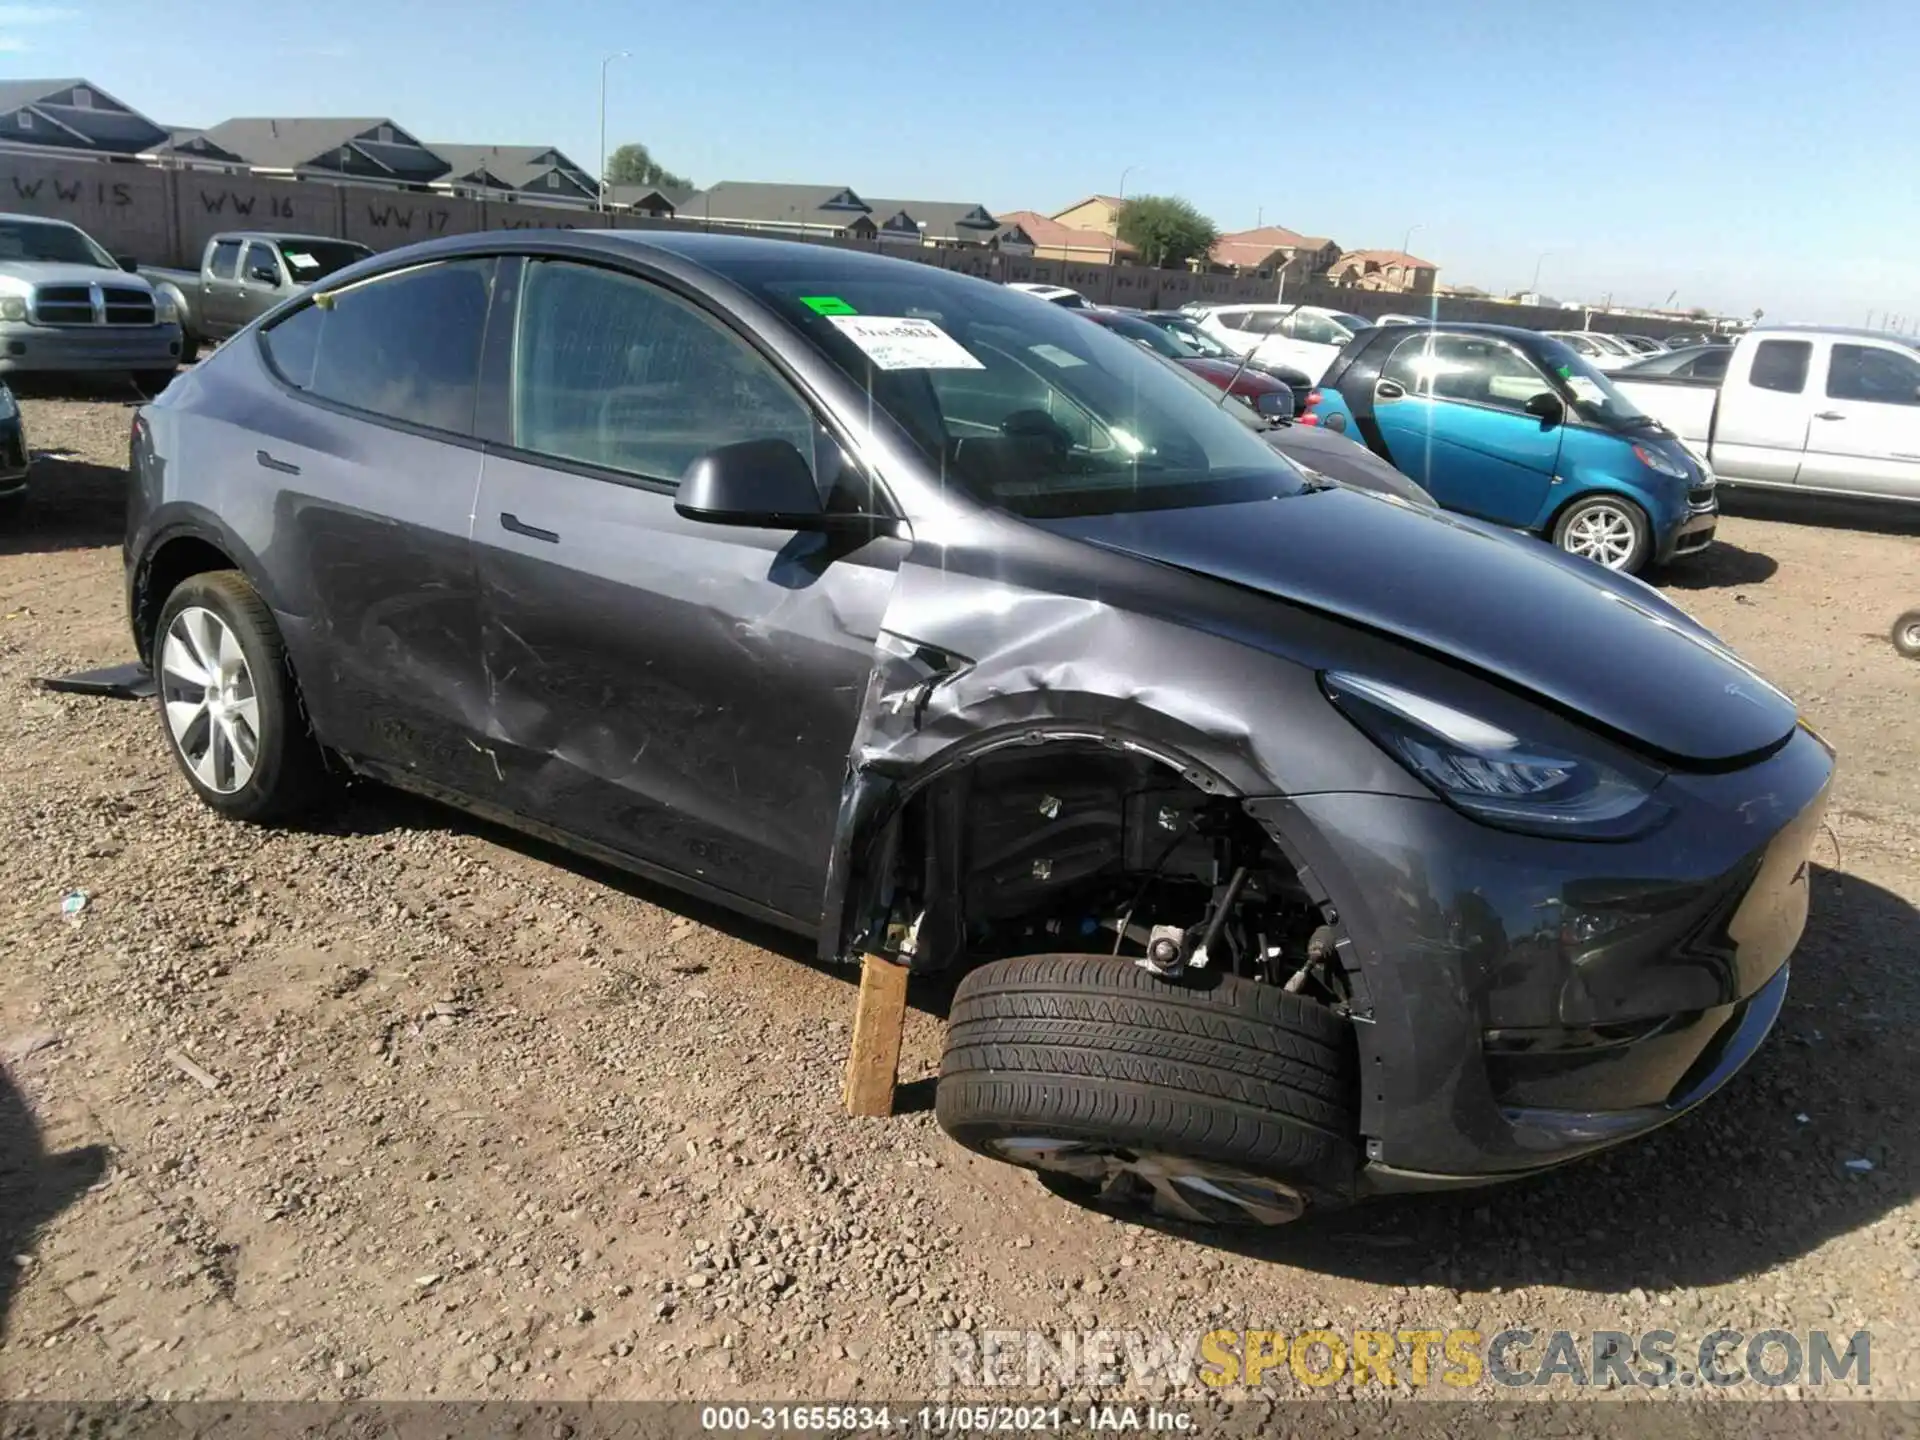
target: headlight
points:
(165, 312)
(1654, 460)
(13, 307)
(1540, 787)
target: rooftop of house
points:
(943, 219)
(513, 166)
(1388, 257)
(292, 143)
(1049, 234)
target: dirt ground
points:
(403, 1105)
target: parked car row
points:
(958, 633)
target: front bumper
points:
(1694, 533)
(37, 349)
(1520, 1002)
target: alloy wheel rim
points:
(1602, 534)
(212, 708)
(1172, 1186)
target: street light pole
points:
(1534, 289)
(600, 193)
(1408, 242)
(1113, 241)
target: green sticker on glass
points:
(827, 305)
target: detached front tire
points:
(1609, 530)
(1210, 1099)
(229, 704)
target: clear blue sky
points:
(1740, 152)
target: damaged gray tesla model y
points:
(1291, 843)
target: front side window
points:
(226, 259)
(1782, 365)
(404, 346)
(613, 371)
(1872, 373)
(1477, 370)
(261, 264)
(1025, 408)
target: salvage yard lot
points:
(404, 1105)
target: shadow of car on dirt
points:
(1737, 1187)
(68, 505)
(1823, 511)
(1720, 566)
(34, 1185)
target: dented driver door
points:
(680, 692)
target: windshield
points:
(1193, 337)
(1151, 336)
(1354, 323)
(311, 260)
(56, 244)
(1030, 409)
(1593, 394)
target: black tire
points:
(1095, 1051)
(289, 771)
(151, 382)
(1593, 510)
(1906, 634)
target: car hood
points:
(1244, 378)
(1591, 642)
(47, 272)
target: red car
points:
(1229, 375)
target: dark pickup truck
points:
(244, 274)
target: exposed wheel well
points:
(1074, 845)
(176, 560)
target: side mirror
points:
(1547, 406)
(265, 274)
(127, 263)
(764, 483)
(1275, 404)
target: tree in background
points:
(633, 164)
(1165, 230)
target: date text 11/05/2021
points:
(943, 1419)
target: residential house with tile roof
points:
(1266, 248)
(1052, 240)
(1393, 270)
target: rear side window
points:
(405, 346)
(613, 371)
(1710, 364)
(226, 259)
(1782, 365)
(1868, 372)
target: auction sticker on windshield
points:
(901, 342)
(300, 260)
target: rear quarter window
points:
(1781, 365)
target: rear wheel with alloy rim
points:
(1210, 1099)
(227, 697)
(1608, 530)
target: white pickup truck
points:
(1827, 411)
